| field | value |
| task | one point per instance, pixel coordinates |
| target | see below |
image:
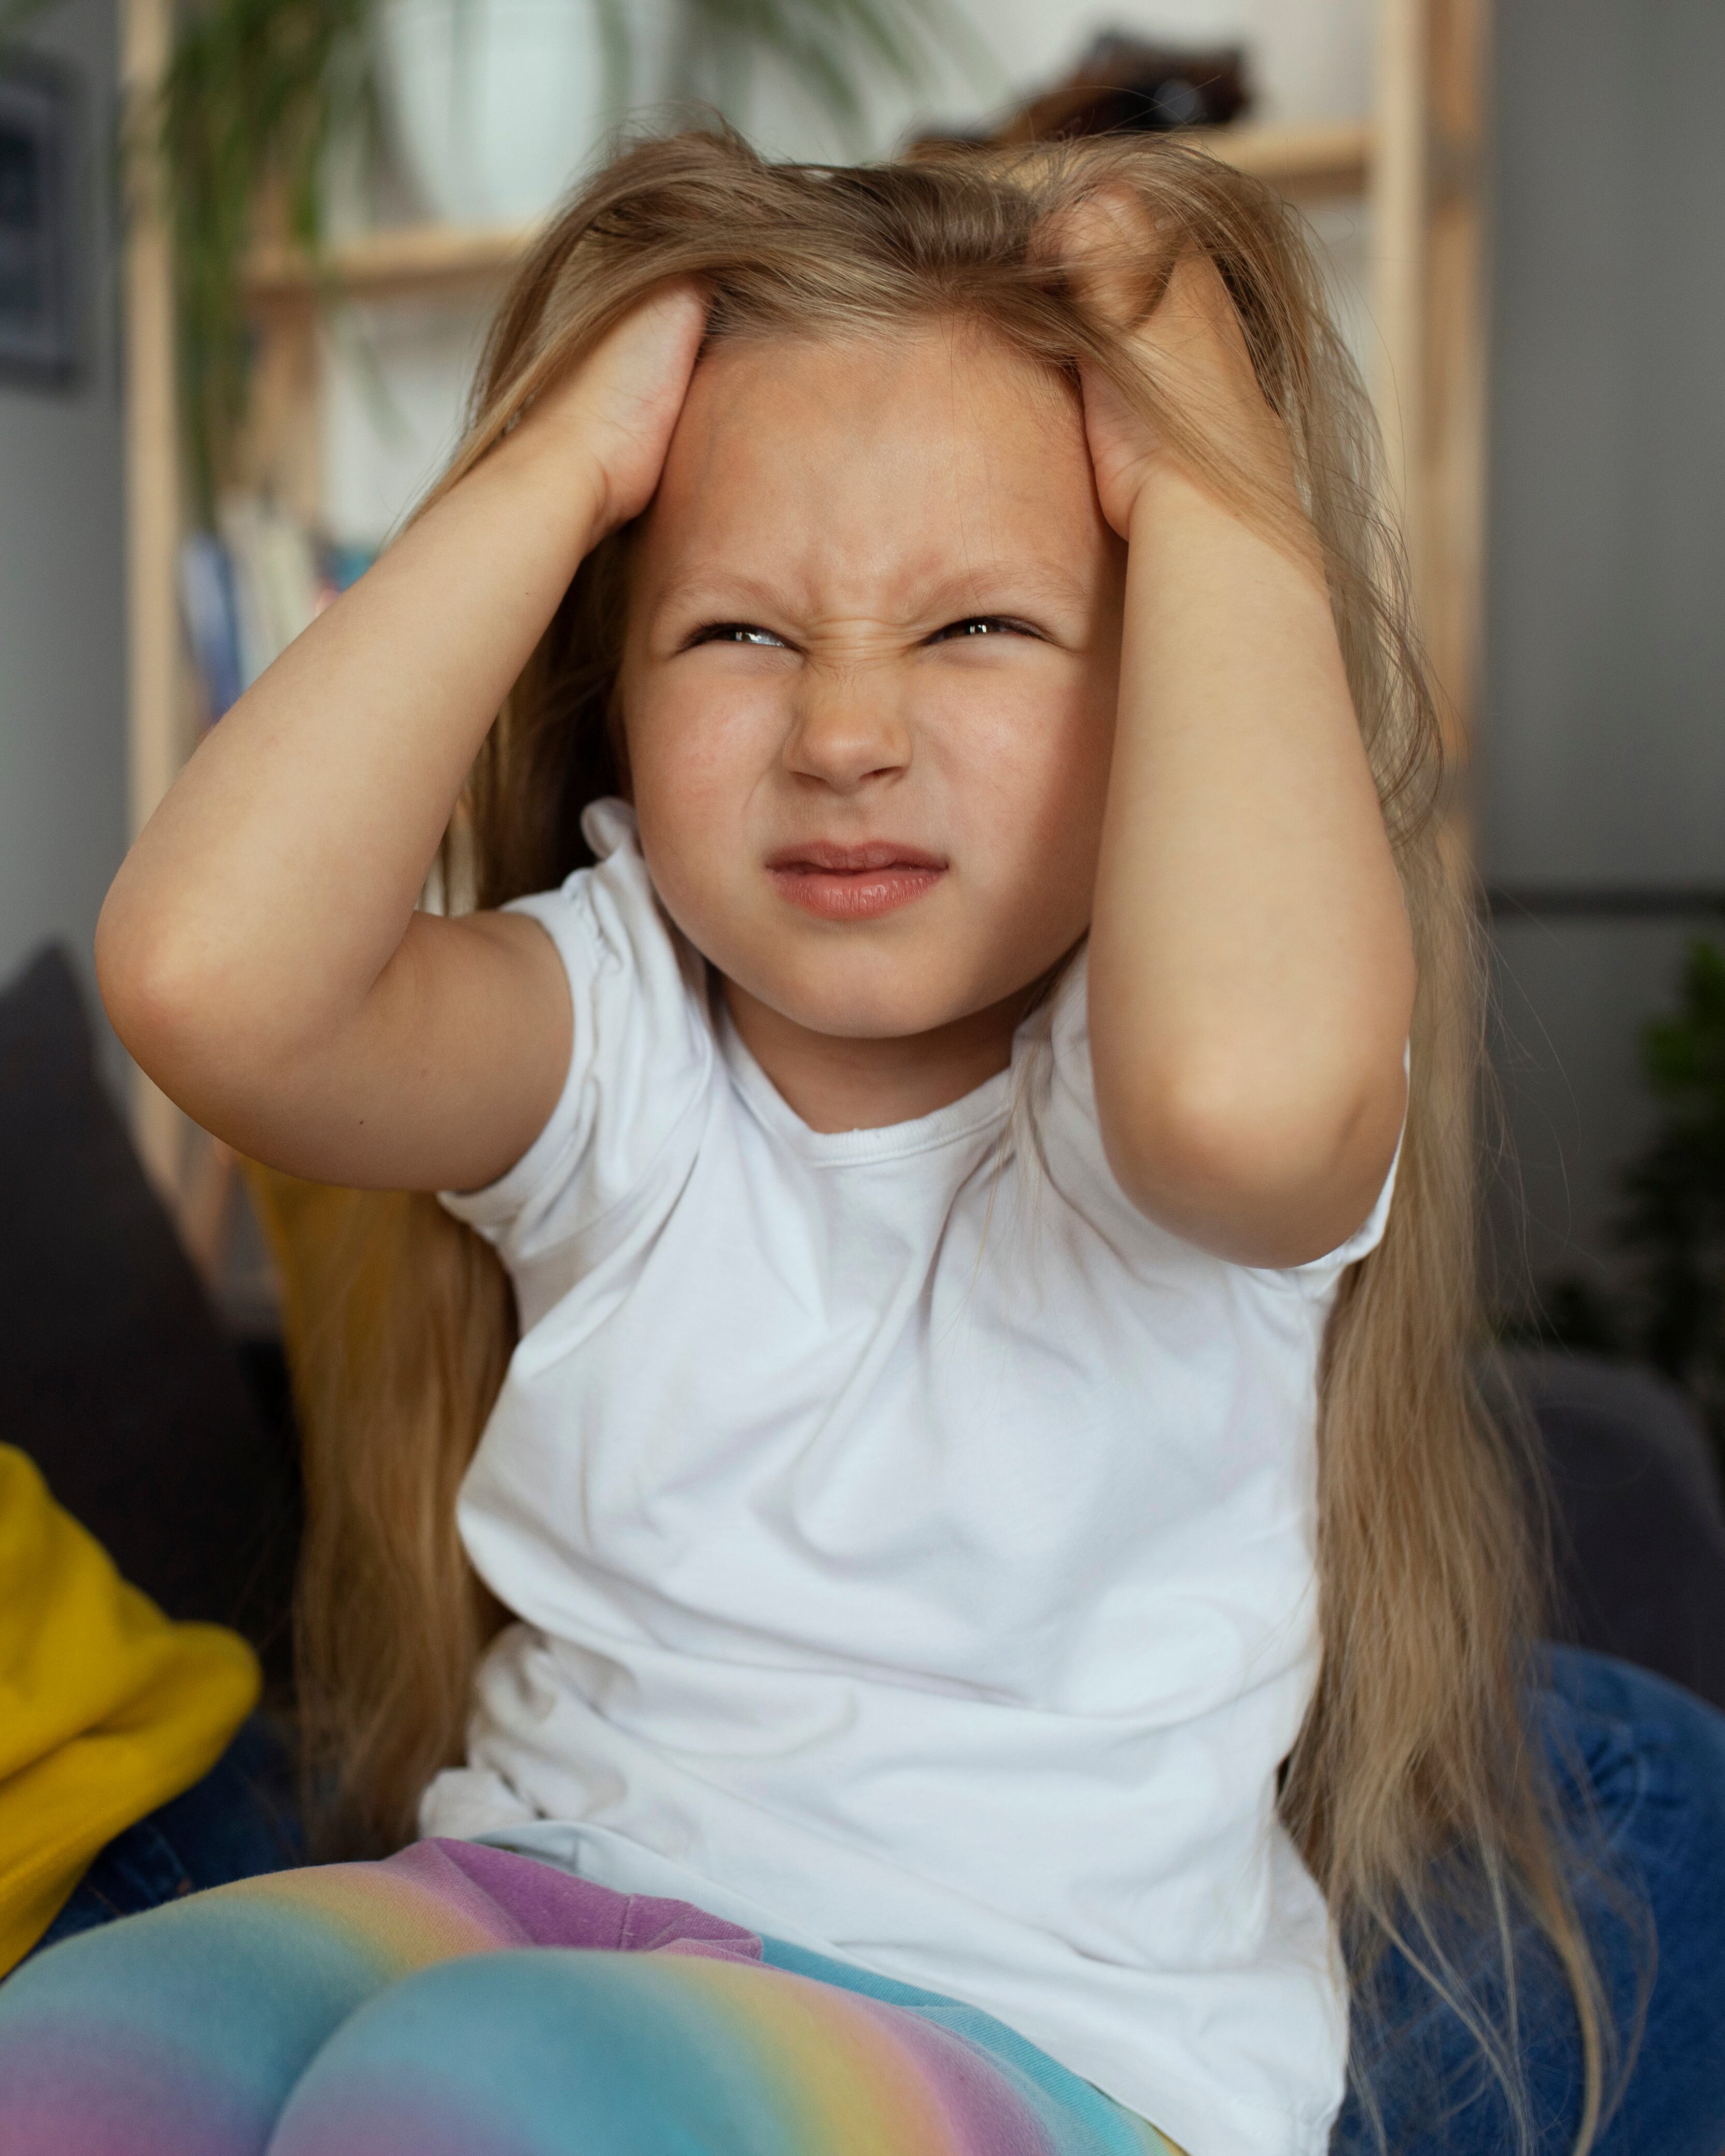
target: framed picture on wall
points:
(38, 108)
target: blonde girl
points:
(984, 1591)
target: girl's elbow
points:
(1260, 1170)
(156, 983)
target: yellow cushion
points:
(107, 1708)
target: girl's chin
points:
(842, 1003)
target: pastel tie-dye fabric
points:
(459, 2001)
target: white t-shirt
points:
(912, 1543)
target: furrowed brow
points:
(1000, 587)
(932, 599)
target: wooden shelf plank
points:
(1334, 159)
(1307, 162)
(396, 258)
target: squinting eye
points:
(737, 632)
(979, 624)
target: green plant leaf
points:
(254, 92)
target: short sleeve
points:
(1070, 1138)
(640, 1057)
(1319, 1274)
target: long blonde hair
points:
(1412, 1793)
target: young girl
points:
(1004, 1576)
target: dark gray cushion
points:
(115, 1376)
(1639, 1523)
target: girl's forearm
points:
(1251, 972)
(277, 879)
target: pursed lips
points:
(857, 882)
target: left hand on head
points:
(1191, 343)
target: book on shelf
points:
(208, 601)
(250, 586)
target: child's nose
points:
(848, 728)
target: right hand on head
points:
(619, 406)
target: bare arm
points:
(1251, 969)
(259, 953)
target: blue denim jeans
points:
(238, 1821)
(1640, 1768)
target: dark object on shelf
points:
(115, 1376)
(38, 285)
(1124, 86)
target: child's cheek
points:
(696, 754)
(687, 748)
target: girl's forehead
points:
(921, 444)
(942, 368)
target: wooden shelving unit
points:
(1416, 161)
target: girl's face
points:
(869, 677)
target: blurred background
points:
(247, 248)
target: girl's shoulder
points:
(610, 930)
(641, 1053)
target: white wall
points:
(62, 617)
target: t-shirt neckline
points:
(985, 1105)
